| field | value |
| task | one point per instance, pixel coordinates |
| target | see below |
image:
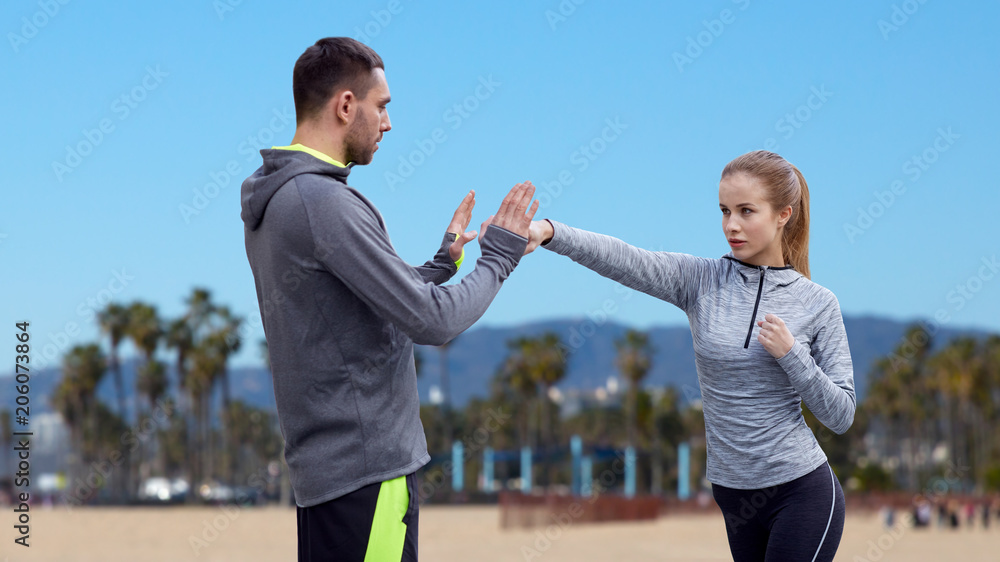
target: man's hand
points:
(459, 223)
(540, 232)
(514, 214)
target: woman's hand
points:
(774, 336)
(539, 232)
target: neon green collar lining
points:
(303, 148)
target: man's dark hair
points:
(331, 65)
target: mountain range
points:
(474, 357)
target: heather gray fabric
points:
(754, 427)
(341, 311)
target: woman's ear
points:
(785, 216)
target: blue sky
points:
(117, 117)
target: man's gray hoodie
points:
(341, 312)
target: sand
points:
(447, 534)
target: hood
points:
(279, 167)
(778, 275)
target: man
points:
(341, 310)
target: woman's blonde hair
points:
(784, 185)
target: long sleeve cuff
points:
(798, 363)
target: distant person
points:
(341, 310)
(888, 516)
(924, 510)
(766, 338)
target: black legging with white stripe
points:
(798, 520)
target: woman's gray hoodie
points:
(754, 427)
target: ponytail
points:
(795, 239)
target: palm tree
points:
(145, 331)
(515, 379)
(227, 340)
(549, 367)
(144, 328)
(666, 424)
(75, 398)
(66, 399)
(959, 368)
(902, 398)
(947, 368)
(633, 361)
(200, 380)
(257, 441)
(197, 371)
(180, 337)
(514, 384)
(113, 321)
(200, 308)
(915, 381)
(990, 395)
(532, 368)
(886, 401)
(981, 405)
(215, 336)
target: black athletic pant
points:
(377, 523)
(800, 521)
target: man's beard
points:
(359, 147)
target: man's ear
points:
(342, 106)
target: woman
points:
(765, 338)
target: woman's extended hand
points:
(539, 232)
